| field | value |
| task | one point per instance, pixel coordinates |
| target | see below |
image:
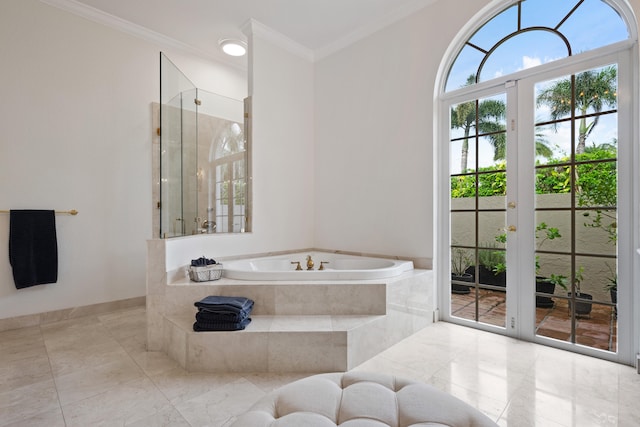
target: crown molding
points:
(367, 30)
(256, 28)
(138, 31)
(250, 27)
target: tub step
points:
(281, 343)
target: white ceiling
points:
(319, 27)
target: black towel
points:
(33, 247)
(207, 316)
(220, 326)
(238, 305)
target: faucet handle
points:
(298, 267)
(322, 263)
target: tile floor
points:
(94, 371)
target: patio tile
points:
(598, 329)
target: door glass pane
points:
(552, 139)
(492, 187)
(478, 210)
(463, 229)
(576, 208)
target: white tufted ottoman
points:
(360, 399)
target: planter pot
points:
(614, 299)
(488, 277)
(545, 286)
(582, 308)
(457, 288)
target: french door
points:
(539, 225)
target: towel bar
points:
(71, 212)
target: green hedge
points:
(596, 182)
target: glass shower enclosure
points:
(204, 183)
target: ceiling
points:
(318, 27)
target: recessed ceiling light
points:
(233, 47)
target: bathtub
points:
(337, 267)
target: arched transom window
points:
(535, 32)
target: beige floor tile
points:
(92, 381)
(166, 417)
(24, 372)
(268, 382)
(180, 386)
(125, 324)
(21, 344)
(77, 357)
(22, 403)
(124, 404)
(154, 362)
(219, 406)
(51, 418)
(77, 338)
(388, 366)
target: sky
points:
(592, 25)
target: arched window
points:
(534, 32)
(537, 174)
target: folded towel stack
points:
(218, 313)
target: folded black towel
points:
(220, 326)
(33, 247)
(207, 316)
(227, 304)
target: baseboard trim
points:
(68, 313)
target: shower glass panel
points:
(204, 177)
(177, 109)
(222, 165)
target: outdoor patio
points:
(598, 330)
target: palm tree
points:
(594, 89)
(464, 116)
(490, 114)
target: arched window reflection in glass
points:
(227, 162)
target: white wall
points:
(75, 132)
(374, 135)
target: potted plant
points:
(612, 287)
(582, 308)
(460, 262)
(598, 187)
(547, 285)
(492, 266)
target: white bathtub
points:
(338, 267)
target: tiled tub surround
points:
(315, 326)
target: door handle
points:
(511, 228)
(511, 205)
